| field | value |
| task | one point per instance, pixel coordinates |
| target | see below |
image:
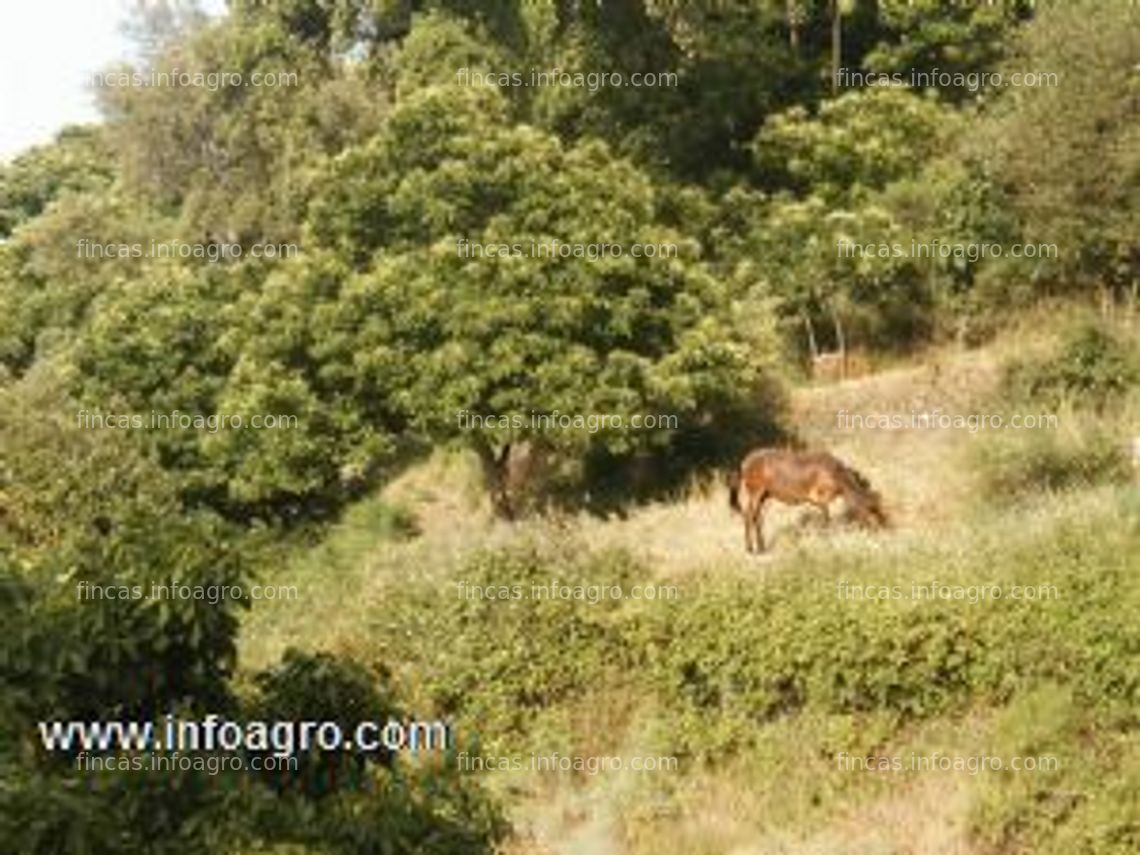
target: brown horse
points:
(795, 477)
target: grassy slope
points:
(781, 791)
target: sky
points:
(48, 51)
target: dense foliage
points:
(390, 162)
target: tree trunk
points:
(836, 44)
(794, 25)
(840, 343)
(495, 477)
(812, 346)
(1105, 301)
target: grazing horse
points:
(795, 477)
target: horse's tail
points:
(865, 499)
(734, 491)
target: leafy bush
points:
(1082, 452)
(395, 523)
(1093, 368)
(83, 506)
(319, 687)
(351, 802)
(741, 655)
(1054, 811)
(86, 506)
(494, 664)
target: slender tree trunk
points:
(840, 343)
(812, 346)
(836, 44)
(793, 25)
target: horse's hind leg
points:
(823, 509)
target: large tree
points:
(433, 328)
(1069, 153)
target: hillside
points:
(763, 782)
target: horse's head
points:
(869, 510)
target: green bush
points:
(1088, 382)
(352, 802)
(1093, 367)
(86, 506)
(741, 655)
(1054, 811)
(395, 523)
(1084, 452)
(319, 687)
(494, 664)
(719, 672)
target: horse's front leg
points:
(746, 516)
(756, 518)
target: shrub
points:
(742, 655)
(86, 505)
(494, 664)
(352, 802)
(1086, 381)
(320, 687)
(1082, 453)
(1050, 811)
(1092, 368)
